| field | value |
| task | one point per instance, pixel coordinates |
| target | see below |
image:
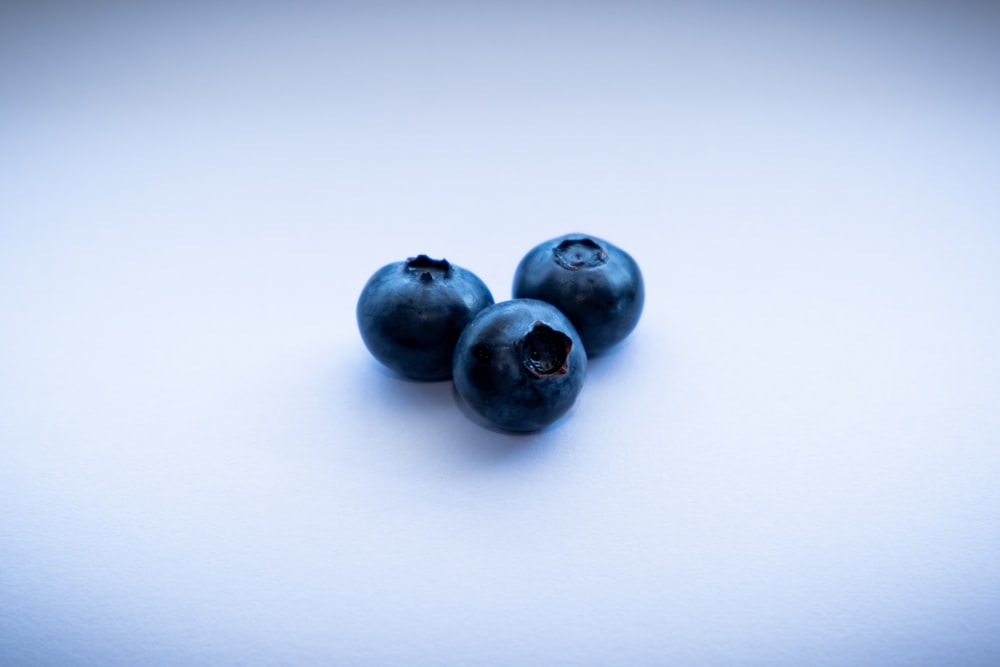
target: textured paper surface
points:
(793, 461)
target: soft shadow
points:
(394, 392)
(487, 444)
(438, 425)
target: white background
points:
(793, 461)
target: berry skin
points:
(411, 314)
(596, 284)
(520, 364)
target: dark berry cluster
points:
(519, 364)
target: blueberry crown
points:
(582, 253)
(545, 351)
(427, 267)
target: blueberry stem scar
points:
(576, 254)
(545, 351)
(428, 267)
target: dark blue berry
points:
(520, 364)
(596, 284)
(411, 314)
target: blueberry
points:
(520, 364)
(411, 314)
(596, 284)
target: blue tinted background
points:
(793, 461)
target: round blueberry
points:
(596, 284)
(411, 314)
(520, 364)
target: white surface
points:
(793, 461)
